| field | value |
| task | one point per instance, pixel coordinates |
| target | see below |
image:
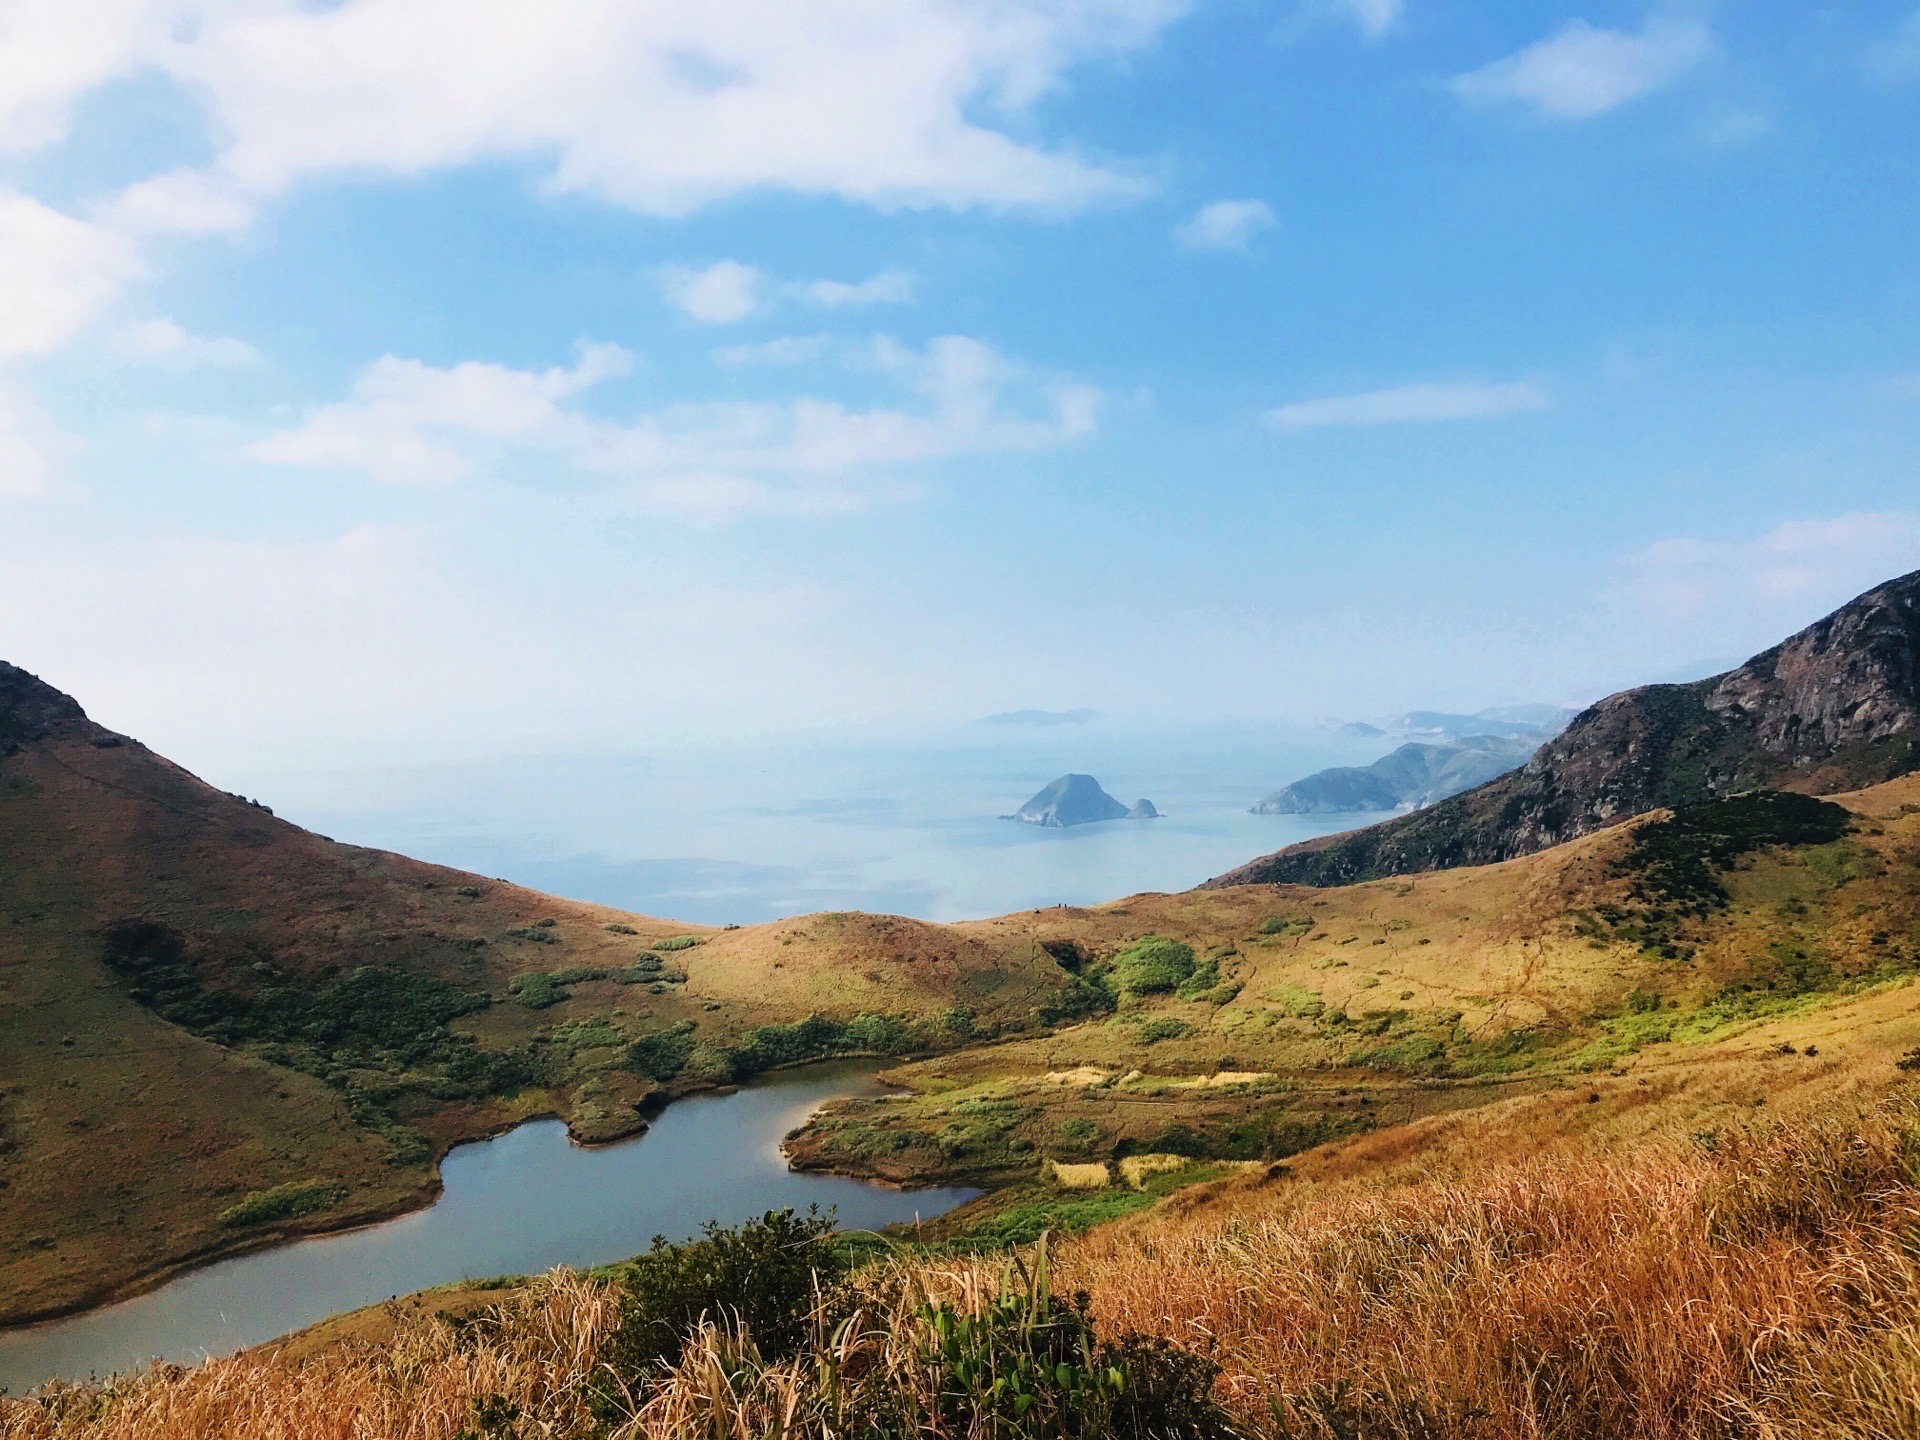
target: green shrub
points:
(663, 1055)
(1199, 983)
(619, 929)
(1152, 966)
(282, 1202)
(765, 1275)
(1163, 1027)
(678, 942)
(1084, 996)
(1027, 1365)
(539, 991)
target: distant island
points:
(1078, 800)
(1414, 776)
(1041, 719)
(1542, 722)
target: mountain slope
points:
(1834, 707)
(202, 1003)
(1415, 775)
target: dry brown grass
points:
(1768, 1286)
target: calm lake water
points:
(519, 1204)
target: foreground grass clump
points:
(1764, 1285)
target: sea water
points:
(746, 834)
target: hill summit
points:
(1832, 708)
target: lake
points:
(518, 1204)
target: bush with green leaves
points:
(1027, 1365)
(1153, 966)
(767, 1276)
(282, 1202)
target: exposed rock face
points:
(1834, 707)
(31, 709)
(1071, 800)
(1413, 776)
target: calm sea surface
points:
(747, 835)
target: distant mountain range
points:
(1413, 776)
(1078, 800)
(1509, 721)
(1834, 707)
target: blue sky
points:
(392, 376)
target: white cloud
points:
(57, 50)
(1740, 593)
(1582, 71)
(31, 447)
(180, 202)
(1408, 403)
(56, 273)
(405, 420)
(782, 350)
(410, 422)
(164, 342)
(892, 286)
(1226, 225)
(660, 105)
(1374, 17)
(718, 294)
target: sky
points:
(388, 378)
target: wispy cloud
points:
(56, 274)
(164, 342)
(718, 294)
(1800, 568)
(1582, 71)
(412, 423)
(892, 286)
(1407, 404)
(1227, 225)
(1374, 17)
(782, 350)
(31, 446)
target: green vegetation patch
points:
(283, 1202)
(1677, 861)
(378, 1036)
(677, 942)
(1153, 966)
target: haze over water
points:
(751, 834)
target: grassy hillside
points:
(217, 1029)
(1576, 1213)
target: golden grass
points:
(1093, 1176)
(1767, 1285)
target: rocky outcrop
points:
(1834, 707)
(31, 709)
(1076, 800)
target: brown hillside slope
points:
(1832, 708)
(201, 1002)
